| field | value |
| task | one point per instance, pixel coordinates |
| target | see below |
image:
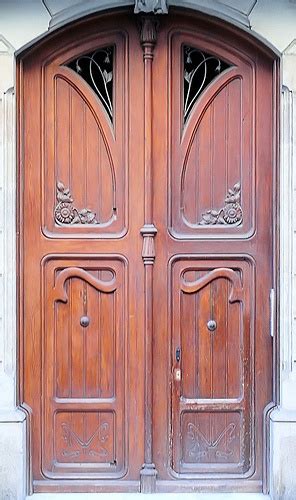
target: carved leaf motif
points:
(107, 76)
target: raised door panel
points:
(213, 359)
(85, 154)
(84, 345)
(211, 158)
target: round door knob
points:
(212, 325)
(84, 321)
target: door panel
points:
(83, 320)
(85, 169)
(212, 330)
(213, 209)
(212, 179)
(84, 340)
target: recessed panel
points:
(212, 440)
(85, 158)
(211, 157)
(212, 336)
(212, 364)
(84, 438)
(84, 344)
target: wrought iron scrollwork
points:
(200, 69)
(96, 68)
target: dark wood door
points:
(146, 255)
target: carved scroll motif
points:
(155, 6)
(59, 292)
(236, 294)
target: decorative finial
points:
(155, 6)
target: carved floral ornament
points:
(155, 6)
(231, 213)
(66, 213)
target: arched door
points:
(147, 216)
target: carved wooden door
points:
(214, 212)
(146, 255)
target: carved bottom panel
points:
(84, 437)
(212, 438)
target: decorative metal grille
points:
(96, 68)
(200, 69)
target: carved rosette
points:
(148, 232)
(231, 213)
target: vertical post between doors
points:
(148, 37)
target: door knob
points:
(84, 321)
(212, 325)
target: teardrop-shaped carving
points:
(85, 178)
(212, 176)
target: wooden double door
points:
(146, 254)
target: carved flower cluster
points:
(66, 213)
(231, 213)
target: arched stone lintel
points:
(215, 8)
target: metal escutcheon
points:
(212, 325)
(84, 321)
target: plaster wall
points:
(21, 21)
